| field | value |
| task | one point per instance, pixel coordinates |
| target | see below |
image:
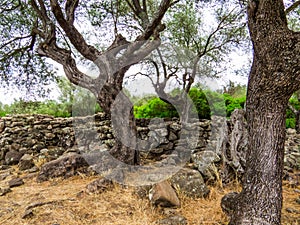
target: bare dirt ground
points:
(57, 202)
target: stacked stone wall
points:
(44, 136)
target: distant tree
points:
(192, 50)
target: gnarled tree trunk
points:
(274, 76)
(116, 104)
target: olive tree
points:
(274, 76)
(37, 29)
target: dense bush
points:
(216, 103)
(290, 115)
(233, 103)
(155, 107)
(49, 107)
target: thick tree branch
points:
(73, 34)
(266, 21)
(292, 7)
(155, 25)
(70, 8)
(64, 58)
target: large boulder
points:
(65, 166)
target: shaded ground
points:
(57, 202)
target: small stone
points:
(173, 220)
(27, 214)
(228, 203)
(4, 191)
(291, 210)
(291, 131)
(13, 157)
(164, 195)
(98, 186)
(26, 162)
(4, 167)
(15, 182)
(44, 151)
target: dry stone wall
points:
(46, 138)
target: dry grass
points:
(62, 205)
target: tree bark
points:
(116, 104)
(260, 202)
(274, 76)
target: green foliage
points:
(155, 107)
(290, 123)
(151, 107)
(49, 107)
(199, 99)
(290, 115)
(19, 64)
(216, 103)
(183, 27)
(233, 103)
(78, 101)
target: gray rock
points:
(190, 183)
(15, 182)
(173, 220)
(65, 166)
(13, 157)
(4, 191)
(203, 159)
(204, 162)
(228, 203)
(26, 162)
(2, 125)
(98, 186)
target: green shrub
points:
(233, 103)
(290, 123)
(155, 107)
(151, 107)
(216, 103)
(199, 99)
